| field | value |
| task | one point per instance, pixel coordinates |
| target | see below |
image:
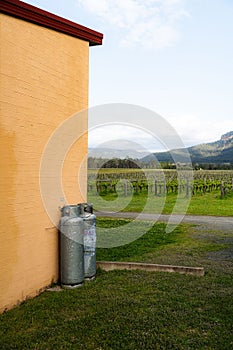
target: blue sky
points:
(174, 57)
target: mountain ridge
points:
(219, 152)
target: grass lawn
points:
(137, 309)
(200, 204)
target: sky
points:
(174, 57)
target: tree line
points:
(129, 163)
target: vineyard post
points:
(204, 187)
(222, 190)
(180, 188)
(187, 187)
(156, 188)
(125, 188)
(164, 187)
(160, 189)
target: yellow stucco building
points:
(44, 81)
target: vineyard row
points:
(155, 174)
(159, 187)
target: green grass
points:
(185, 245)
(156, 243)
(200, 204)
(137, 309)
(126, 310)
(212, 204)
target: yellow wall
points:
(44, 80)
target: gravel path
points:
(214, 222)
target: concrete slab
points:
(112, 265)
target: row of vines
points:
(159, 182)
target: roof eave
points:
(46, 19)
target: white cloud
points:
(195, 130)
(128, 138)
(191, 129)
(150, 23)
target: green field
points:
(202, 204)
(108, 192)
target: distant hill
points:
(110, 153)
(217, 152)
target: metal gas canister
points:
(71, 247)
(89, 239)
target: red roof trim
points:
(46, 19)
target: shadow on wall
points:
(9, 232)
